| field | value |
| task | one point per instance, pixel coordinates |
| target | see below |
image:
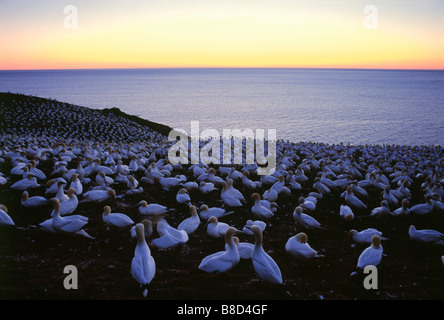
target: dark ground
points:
(32, 260)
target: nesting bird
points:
(169, 237)
(365, 236)
(258, 209)
(31, 202)
(119, 220)
(305, 220)
(192, 223)
(426, 235)
(5, 219)
(371, 255)
(298, 246)
(152, 208)
(222, 261)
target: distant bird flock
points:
(61, 157)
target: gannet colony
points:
(94, 189)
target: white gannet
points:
(132, 182)
(215, 228)
(213, 178)
(122, 168)
(31, 202)
(222, 261)
(268, 179)
(28, 183)
(169, 237)
(36, 172)
(76, 184)
(103, 181)
(152, 208)
(245, 249)
(99, 195)
(228, 198)
(70, 224)
(308, 204)
(247, 182)
(298, 247)
(327, 181)
(249, 223)
(306, 220)
(258, 209)
(270, 195)
(67, 207)
(191, 185)
(299, 175)
(190, 224)
(371, 255)
(352, 200)
(236, 193)
(264, 265)
(119, 220)
(5, 219)
(346, 213)
(19, 168)
(182, 196)
(272, 206)
(365, 236)
(134, 191)
(291, 182)
(198, 170)
(153, 172)
(143, 267)
(99, 168)
(148, 227)
(320, 187)
(403, 188)
(404, 209)
(422, 208)
(381, 211)
(205, 212)
(357, 190)
(133, 165)
(436, 203)
(61, 192)
(52, 185)
(3, 180)
(168, 183)
(279, 185)
(426, 235)
(392, 201)
(206, 187)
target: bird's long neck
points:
(259, 239)
(141, 238)
(229, 240)
(57, 212)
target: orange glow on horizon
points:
(263, 36)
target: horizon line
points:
(224, 67)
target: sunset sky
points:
(228, 33)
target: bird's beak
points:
(138, 204)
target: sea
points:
(350, 106)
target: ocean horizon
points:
(356, 106)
